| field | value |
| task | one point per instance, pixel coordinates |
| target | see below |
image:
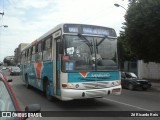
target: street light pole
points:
(118, 5)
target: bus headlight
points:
(70, 85)
(118, 82)
(77, 85)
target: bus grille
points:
(97, 85)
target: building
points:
(16, 56)
(17, 52)
(11, 58)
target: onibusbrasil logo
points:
(20, 114)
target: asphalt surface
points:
(133, 101)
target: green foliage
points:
(142, 30)
(8, 62)
(124, 51)
(132, 2)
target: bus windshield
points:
(89, 53)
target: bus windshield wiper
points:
(110, 37)
(87, 41)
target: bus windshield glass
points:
(89, 53)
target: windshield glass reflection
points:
(89, 53)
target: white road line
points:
(127, 104)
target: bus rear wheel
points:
(48, 90)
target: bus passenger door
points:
(58, 67)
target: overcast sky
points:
(27, 20)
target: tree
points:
(132, 2)
(142, 29)
(8, 62)
(124, 50)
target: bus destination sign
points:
(89, 29)
(97, 31)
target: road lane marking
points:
(127, 104)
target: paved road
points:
(127, 101)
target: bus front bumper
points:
(70, 94)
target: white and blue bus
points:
(73, 61)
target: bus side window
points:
(39, 52)
(36, 51)
(33, 53)
(29, 55)
(47, 49)
(25, 59)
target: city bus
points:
(73, 61)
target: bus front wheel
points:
(48, 90)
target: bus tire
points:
(26, 82)
(47, 90)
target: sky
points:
(27, 20)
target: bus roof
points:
(59, 26)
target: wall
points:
(149, 70)
(129, 66)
